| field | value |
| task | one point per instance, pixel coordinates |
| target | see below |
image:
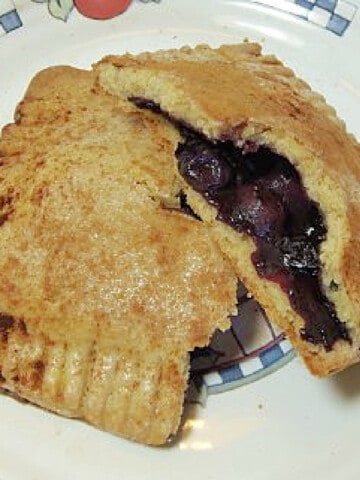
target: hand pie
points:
(104, 289)
(267, 163)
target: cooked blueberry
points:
(286, 185)
(268, 262)
(253, 210)
(203, 166)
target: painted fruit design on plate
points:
(101, 9)
(95, 9)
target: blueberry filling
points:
(259, 192)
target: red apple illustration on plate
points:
(101, 9)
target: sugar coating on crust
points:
(236, 93)
(104, 289)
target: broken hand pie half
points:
(104, 289)
(267, 163)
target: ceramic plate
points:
(286, 424)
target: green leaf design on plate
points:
(61, 8)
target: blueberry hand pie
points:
(105, 286)
(268, 165)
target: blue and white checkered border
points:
(9, 17)
(249, 370)
(333, 15)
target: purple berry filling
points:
(259, 192)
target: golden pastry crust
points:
(103, 290)
(236, 93)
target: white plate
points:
(286, 425)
